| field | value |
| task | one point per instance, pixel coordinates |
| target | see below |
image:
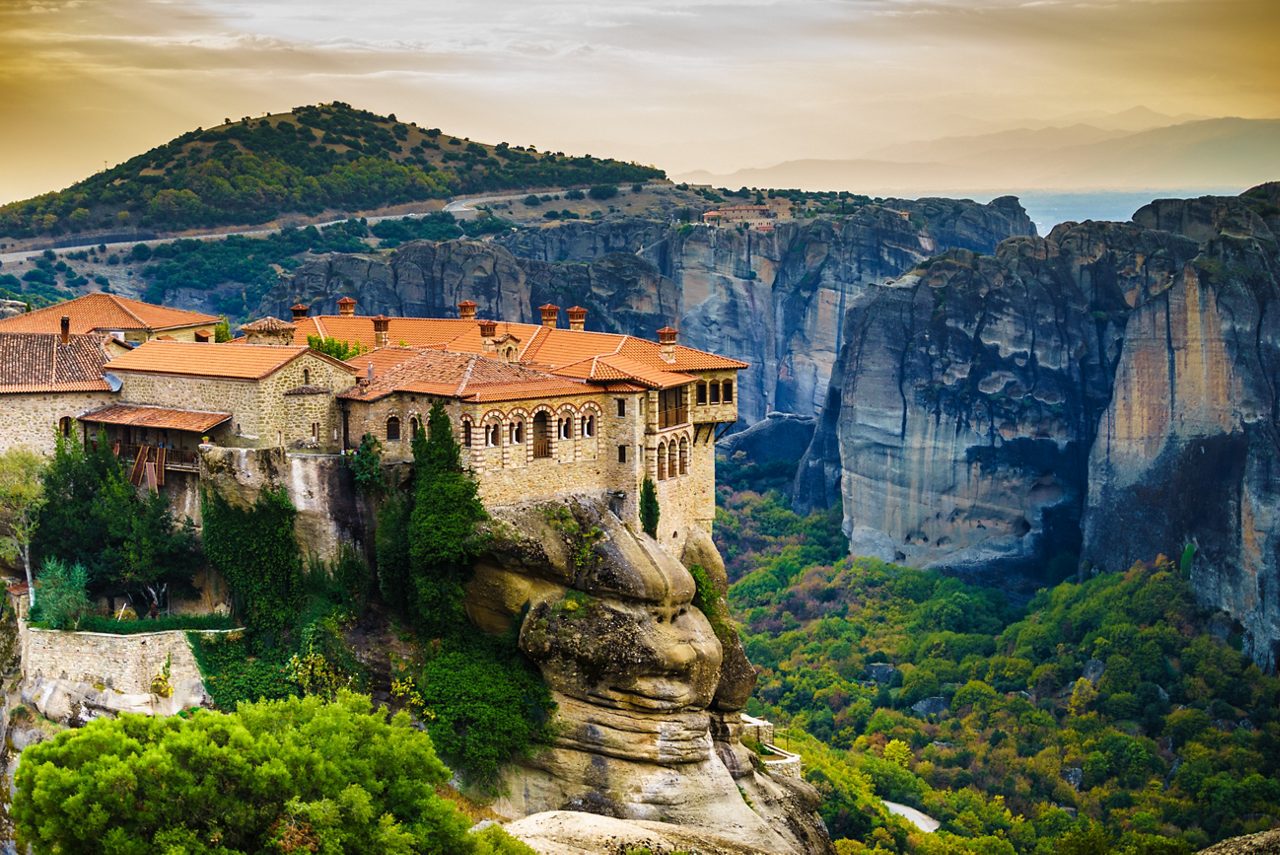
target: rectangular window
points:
(672, 409)
(622, 407)
(622, 454)
(715, 393)
(702, 392)
(728, 391)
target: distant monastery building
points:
(540, 410)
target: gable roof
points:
(465, 376)
(165, 418)
(227, 361)
(100, 312)
(40, 362)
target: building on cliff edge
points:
(539, 409)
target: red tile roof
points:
(234, 362)
(195, 421)
(40, 362)
(104, 313)
(468, 377)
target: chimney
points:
(667, 339)
(577, 318)
(467, 310)
(368, 373)
(488, 332)
(550, 314)
(66, 329)
(347, 307)
(299, 311)
(380, 326)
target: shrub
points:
(298, 775)
(64, 600)
(600, 192)
(366, 465)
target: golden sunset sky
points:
(683, 84)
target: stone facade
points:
(602, 443)
(33, 420)
(292, 407)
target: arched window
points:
(589, 425)
(715, 393)
(415, 426)
(64, 425)
(684, 455)
(492, 435)
(517, 432)
(728, 391)
(662, 461)
(393, 429)
(673, 459)
(466, 433)
(702, 392)
(542, 435)
(565, 430)
(306, 377)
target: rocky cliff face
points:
(1108, 391)
(648, 696)
(776, 300)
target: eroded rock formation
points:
(648, 697)
(776, 300)
(1108, 391)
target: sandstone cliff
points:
(1108, 391)
(648, 689)
(776, 300)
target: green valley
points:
(1113, 715)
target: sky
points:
(682, 84)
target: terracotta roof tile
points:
(40, 362)
(196, 421)
(269, 325)
(466, 376)
(236, 362)
(102, 313)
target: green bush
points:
(111, 626)
(298, 775)
(256, 551)
(63, 600)
(649, 510)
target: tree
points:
(649, 510)
(297, 775)
(21, 499)
(366, 465)
(64, 600)
(442, 524)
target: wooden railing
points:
(672, 416)
(174, 458)
(541, 447)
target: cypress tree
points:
(649, 510)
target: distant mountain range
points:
(1102, 154)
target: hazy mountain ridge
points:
(1210, 152)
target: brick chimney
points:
(467, 310)
(550, 315)
(65, 327)
(299, 311)
(381, 324)
(667, 339)
(577, 317)
(489, 332)
(347, 307)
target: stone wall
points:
(31, 420)
(79, 675)
(262, 414)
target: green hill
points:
(330, 157)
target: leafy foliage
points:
(111, 626)
(64, 599)
(482, 700)
(257, 553)
(21, 500)
(366, 465)
(338, 349)
(316, 158)
(298, 775)
(1172, 747)
(128, 543)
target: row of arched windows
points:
(714, 392)
(673, 458)
(393, 427)
(520, 427)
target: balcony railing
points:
(174, 458)
(672, 416)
